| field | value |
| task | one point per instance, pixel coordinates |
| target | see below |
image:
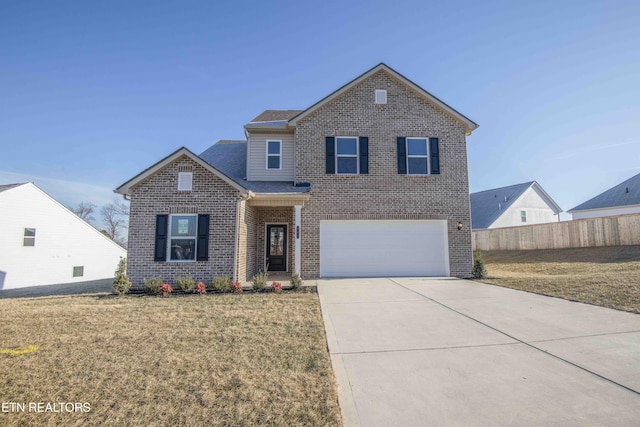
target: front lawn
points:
(252, 359)
(608, 277)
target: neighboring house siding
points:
(383, 193)
(257, 158)
(538, 211)
(62, 241)
(596, 213)
(159, 195)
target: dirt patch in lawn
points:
(257, 359)
(608, 277)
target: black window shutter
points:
(434, 150)
(364, 154)
(203, 238)
(402, 155)
(330, 143)
(162, 223)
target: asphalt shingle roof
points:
(488, 205)
(9, 186)
(624, 194)
(276, 115)
(230, 158)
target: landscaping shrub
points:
(121, 283)
(296, 281)
(201, 288)
(259, 281)
(186, 284)
(236, 287)
(221, 284)
(165, 289)
(152, 285)
(277, 287)
(479, 269)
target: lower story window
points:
(182, 238)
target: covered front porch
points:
(270, 236)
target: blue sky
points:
(92, 93)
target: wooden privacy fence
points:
(582, 233)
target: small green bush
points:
(296, 281)
(152, 285)
(259, 281)
(479, 269)
(221, 284)
(121, 283)
(186, 284)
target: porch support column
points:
(296, 231)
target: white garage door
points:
(383, 248)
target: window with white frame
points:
(29, 237)
(347, 155)
(185, 181)
(380, 96)
(182, 237)
(274, 154)
(523, 216)
(417, 156)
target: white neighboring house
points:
(622, 199)
(519, 204)
(43, 243)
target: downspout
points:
(241, 198)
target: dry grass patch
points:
(608, 277)
(257, 359)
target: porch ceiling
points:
(279, 199)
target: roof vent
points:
(381, 96)
(500, 206)
(626, 190)
(505, 198)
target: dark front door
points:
(276, 248)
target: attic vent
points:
(185, 168)
(381, 96)
(185, 181)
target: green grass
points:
(254, 359)
(608, 277)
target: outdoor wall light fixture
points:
(459, 225)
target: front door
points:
(276, 248)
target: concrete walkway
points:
(414, 352)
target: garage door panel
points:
(383, 248)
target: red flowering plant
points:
(277, 287)
(201, 288)
(236, 287)
(165, 289)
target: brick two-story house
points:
(369, 181)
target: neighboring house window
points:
(381, 96)
(274, 154)
(347, 155)
(78, 271)
(523, 216)
(182, 238)
(185, 181)
(29, 237)
(417, 156)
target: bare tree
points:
(115, 216)
(85, 211)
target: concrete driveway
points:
(412, 352)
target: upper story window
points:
(417, 156)
(274, 154)
(182, 237)
(29, 237)
(380, 96)
(347, 155)
(523, 216)
(185, 181)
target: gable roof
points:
(624, 194)
(470, 124)
(487, 206)
(231, 159)
(276, 115)
(6, 187)
(125, 189)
